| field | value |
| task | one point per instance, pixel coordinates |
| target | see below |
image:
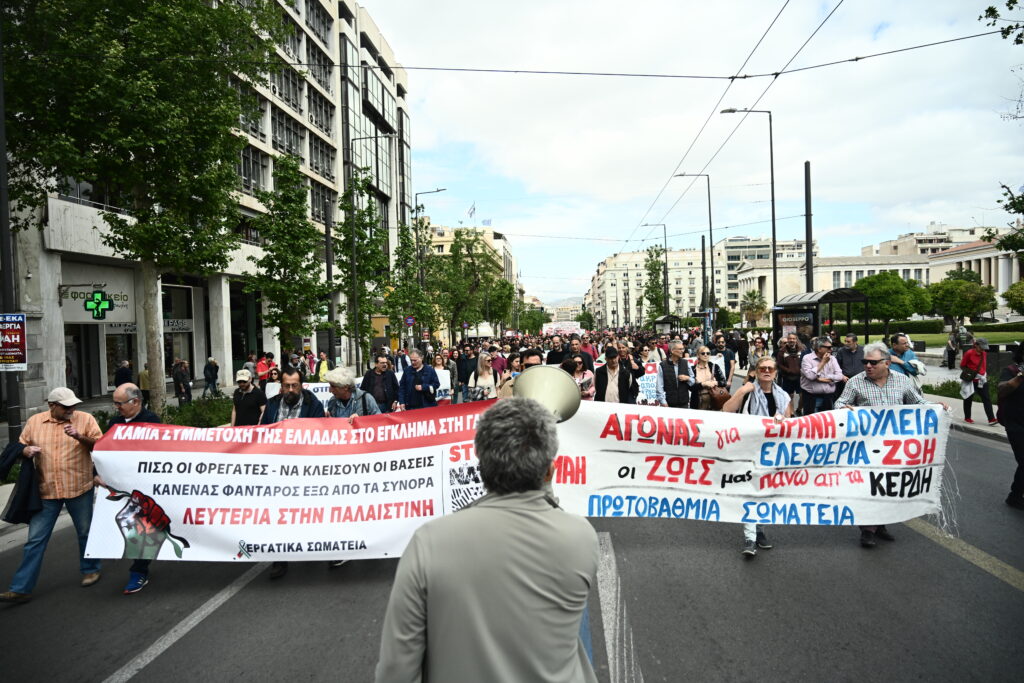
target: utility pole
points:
(12, 383)
(329, 257)
(808, 231)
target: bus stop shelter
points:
(802, 313)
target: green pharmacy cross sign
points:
(98, 304)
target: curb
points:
(994, 432)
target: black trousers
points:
(1015, 434)
(986, 401)
(950, 358)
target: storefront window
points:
(120, 347)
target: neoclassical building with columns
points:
(1000, 269)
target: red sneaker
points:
(968, 420)
(993, 422)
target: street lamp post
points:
(771, 166)
(416, 231)
(712, 301)
(664, 235)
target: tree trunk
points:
(154, 336)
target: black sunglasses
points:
(868, 361)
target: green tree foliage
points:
(1013, 241)
(499, 295)
(654, 292)
(586, 320)
(288, 272)
(361, 258)
(1014, 296)
(532, 320)
(961, 298)
(459, 279)
(963, 274)
(726, 319)
(1010, 28)
(405, 296)
(136, 98)
(889, 297)
(920, 297)
(753, 306)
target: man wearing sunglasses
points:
(879, 386)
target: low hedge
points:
(204, 412)
(1001, 327)
(951, 389)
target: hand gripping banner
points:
(334, 489)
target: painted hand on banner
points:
(144, 525)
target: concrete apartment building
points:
(615, 296)
(829, 273)
(936, 238)
(346, 109)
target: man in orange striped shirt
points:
(60, 440)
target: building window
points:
(835, 279)
(321, 111)
(321, 157)
(287, 133)
(848, 278)
(870, 273)
(321, 201)
(917, 274)
(287, 85)
(906, 273)
(249, 233)
(250, 121)
(319, 65)
(252, 169)
(319, 21)
(860, 274)
(293, 37)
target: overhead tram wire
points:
(753, 106)
(703, 126)
(528, 72)
(696, 231)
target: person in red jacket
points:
(975, 360)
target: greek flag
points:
(472, 210)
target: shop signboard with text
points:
(91, 294)
(13, 349)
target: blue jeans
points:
(465, 393)
(40, 527)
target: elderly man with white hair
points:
(349, 400)
(496, 592)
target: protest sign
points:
(444, 391)
(325, 488)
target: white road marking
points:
(618, 635)
(136, 665)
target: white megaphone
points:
(552, 387)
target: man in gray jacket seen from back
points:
(497, 590)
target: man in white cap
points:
(60, 441)
(249, 401)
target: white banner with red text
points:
(331, 488)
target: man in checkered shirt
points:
(878, 386)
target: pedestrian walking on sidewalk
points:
(59, 441)
(974, 380)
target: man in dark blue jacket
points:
(128, 402)
(293, 401)
(419, 384)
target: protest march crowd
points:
(515, 443)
